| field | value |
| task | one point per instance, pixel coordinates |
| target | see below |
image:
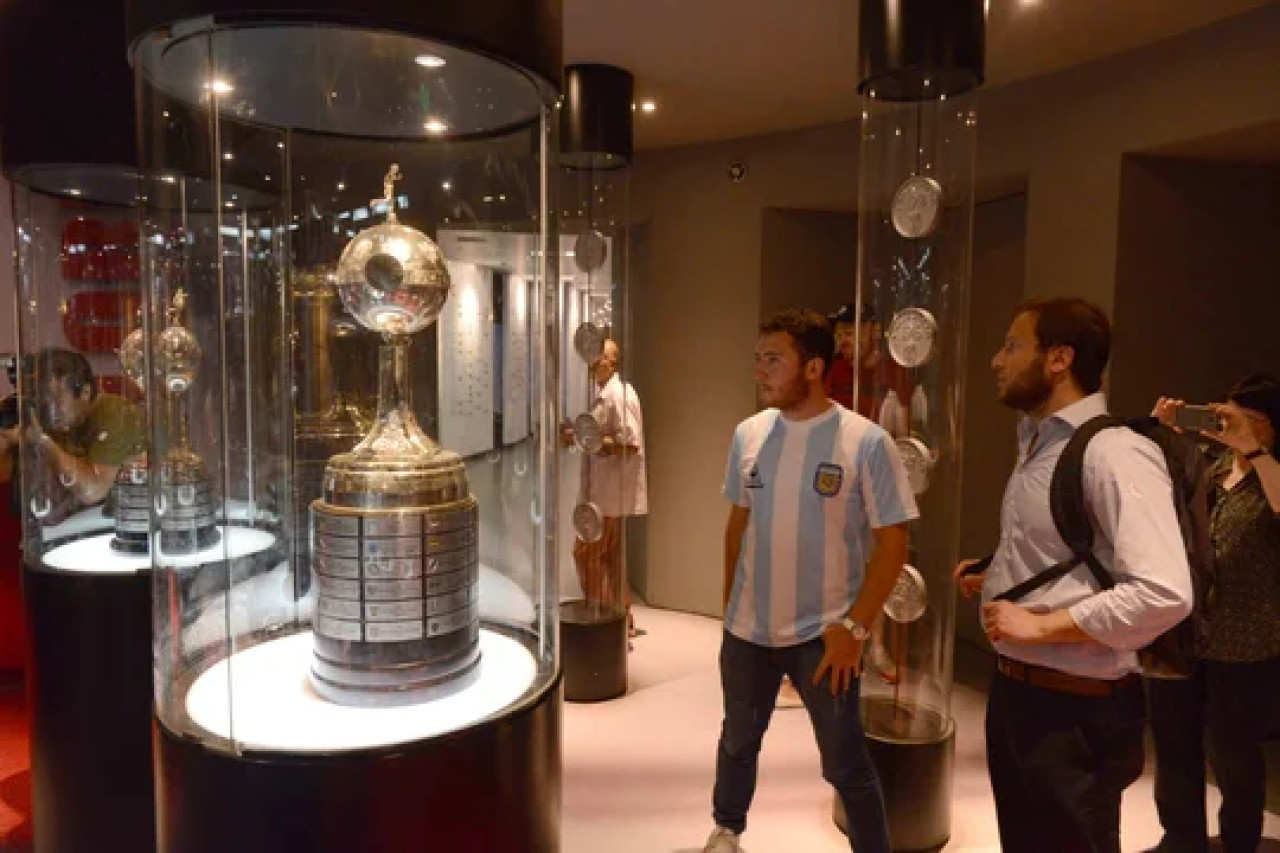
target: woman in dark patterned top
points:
(1235, 694)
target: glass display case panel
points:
(915, 226)
(81, 416)
(363, 277)
(602, 439)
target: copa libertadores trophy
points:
(394, 538)
(184, 503)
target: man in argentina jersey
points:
(816, 538)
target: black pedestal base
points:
(593, 651)
(916, 778)
(90, 699)
(493, 787)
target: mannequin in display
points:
(613, 479)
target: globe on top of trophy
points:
(133, 358)
(392, 278)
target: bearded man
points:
(1065, 710)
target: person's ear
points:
(1059, 360)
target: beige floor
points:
(639, 770)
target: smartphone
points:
(1197, 419)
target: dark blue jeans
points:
(750, 676)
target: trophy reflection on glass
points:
(184, 503)
(394, 538)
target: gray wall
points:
(1197, 280)
(1061, 138)
(808, 259)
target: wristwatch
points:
(1261, 451)
(855, 628)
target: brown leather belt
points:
(1063, 682)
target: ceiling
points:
(721, 69)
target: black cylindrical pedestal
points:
(916, 778)
(90, 696)
(493, 787)
(593, 651)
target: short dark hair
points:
(1076, 323)
(849, 313)
(68, 366)
(809, 331)
(1261, 393)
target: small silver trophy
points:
(395, 551)
(184, 503)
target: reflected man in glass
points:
(80, 436)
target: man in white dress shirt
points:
(1065, 711)
(614, 480)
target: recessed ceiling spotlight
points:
(228, 156)
(73, 191)
(648, 106)
(219, 86)
(434, 125)
(446, 186)
(429, 60)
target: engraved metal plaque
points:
(588, 342)
(918, 461)
(912, 336)
(916, 206)
(909, 598)
(587, 522)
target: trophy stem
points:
(393, 378)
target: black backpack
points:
(1173, 653)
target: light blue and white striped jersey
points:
(815, 488)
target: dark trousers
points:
(1176, 711)
(1225, 710)
(1059, 764)
(750, 676)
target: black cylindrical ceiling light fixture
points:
(595, 179)
(920, 62)
(68, 141)
(370, 658)
(596, 117)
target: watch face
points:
(909, 598)
(918, 460)
(915, 207)
(911, 337)
(587, 522)
(588, 342)
(590, 251)
(587, 433)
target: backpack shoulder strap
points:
(1067, 499)
(1070, 516)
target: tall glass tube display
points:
(921, 62)
(603, 434)
(80, 426)
(354, 207)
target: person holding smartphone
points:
(1234, 694)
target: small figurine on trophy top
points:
(395, 548)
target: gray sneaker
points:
(722, 841)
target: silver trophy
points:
(184, 502)
(395, 552)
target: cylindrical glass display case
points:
(915, 219)
(80, 424)
(344, 237)
(603, 461)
